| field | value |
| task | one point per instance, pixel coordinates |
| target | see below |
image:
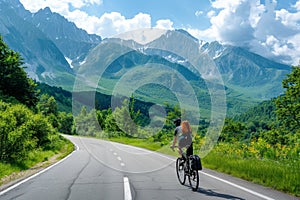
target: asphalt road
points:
(106, 170)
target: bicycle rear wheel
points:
(194, 179)
(180, 170)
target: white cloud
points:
(107, 25)
(259, 27)
(221, 4)
(289, 19)
(61, 6)
(198, 13)
(206, 35)
(211, 13)
(113, 23)
(297, 5)
(164, 24)
(232, 23)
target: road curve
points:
(106, 170)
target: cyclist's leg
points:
(180, 151)
(190, 150)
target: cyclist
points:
(183, 132)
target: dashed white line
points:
(119, 158)
(127, 191)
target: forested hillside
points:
(29, 123)
(260, 145)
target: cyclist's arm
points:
(175, 137)
(174, 141)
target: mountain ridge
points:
(74, 42)
(55, 51)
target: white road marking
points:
(239, 187)
(127, 191)
(217, 178)
(115, 153)
(172, 159)
(119, 158)
(41, 172)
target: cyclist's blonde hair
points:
(186, 127)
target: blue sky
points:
(182, 14)
(268, 27)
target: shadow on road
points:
(209, 192)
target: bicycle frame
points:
(183, 170)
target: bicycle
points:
(183, 170)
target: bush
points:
(16, 141)
(22, 131)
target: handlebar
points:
(172, 147)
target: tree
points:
(288, 105)
(125, 117)
(66, 123)
(13, 79)
(47, 105)
(87, 123)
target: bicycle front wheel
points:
(194, 179)
(180, 170)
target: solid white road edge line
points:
(239, 187)
(217, 178)
(34, 175)
(127, 191)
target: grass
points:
(280, 175)
(143, 143)
(37, 158)
(7, 169)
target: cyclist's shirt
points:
(177, 131)
(184, 140)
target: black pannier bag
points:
(195, 162)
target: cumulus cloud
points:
(248, 23)
(211, 13)
(297, 6)
(232, 23)
(199, 13)
(107, 25)
(277, 32)
(205, 35)
(289, 19)
(61, 6)
(256, 26)
(164, 24)
(114, 23)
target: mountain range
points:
(55, 51)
